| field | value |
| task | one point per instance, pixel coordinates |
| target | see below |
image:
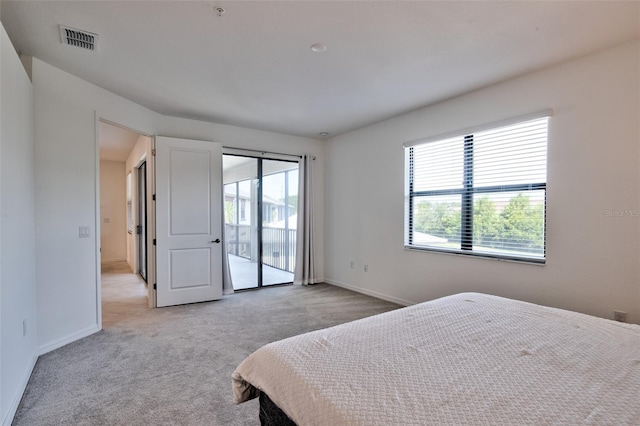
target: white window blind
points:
(481, 193)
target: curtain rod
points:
(263, 152)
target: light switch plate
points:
(84, 232)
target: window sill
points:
(514, 259)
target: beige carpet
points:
(124, 294)
(172, 366)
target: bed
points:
(469, 358)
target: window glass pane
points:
(509, 223)
(246, 231)
(280, 199)
(499, 211)
(292, 176)
(246, 196)
(438, 165)
(240, 175)
(273, 199)
(230, 203)
(511, 155)
(436, 221)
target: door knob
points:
(217, 240)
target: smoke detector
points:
(78, 38)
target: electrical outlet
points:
(353, 264)
(366, 268)
(620, 316)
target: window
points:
(481, 193)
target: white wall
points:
(66, 109)
(113, 211)
(17, 228)
(593, 166)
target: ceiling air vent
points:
(78, 38)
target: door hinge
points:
(153, 197)
(139, 229)
(153, 152)
(154, 241)
(155, 286)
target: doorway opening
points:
(260, 209)
(124, 293)
(123, 214)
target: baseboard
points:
(369, 292)
(15, 402)
(68, 339)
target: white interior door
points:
(188, 221)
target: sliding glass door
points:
(279, 220)
(260, 197)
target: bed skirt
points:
(271, 414)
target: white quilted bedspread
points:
(463, 359)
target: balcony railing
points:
(238, 239)
(278, 245)
(279, 248)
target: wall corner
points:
(27, 63)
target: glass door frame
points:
(141, 229)
(259, 213)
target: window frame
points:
(467, 192)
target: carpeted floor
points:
(172, 366)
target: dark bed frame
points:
(271, 414)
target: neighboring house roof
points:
(244, 195)
(292, 223)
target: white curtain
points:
(305, 272)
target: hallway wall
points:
(18, 330)
(113, 211)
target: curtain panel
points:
(305, 272)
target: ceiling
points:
(253, 65)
